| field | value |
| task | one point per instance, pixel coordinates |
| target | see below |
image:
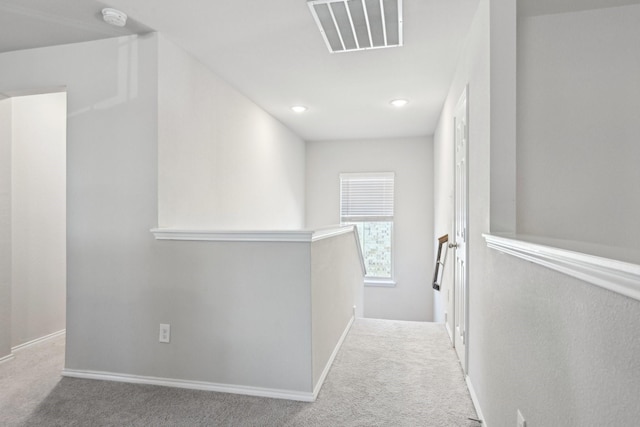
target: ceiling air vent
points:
(348, 25)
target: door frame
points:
(464, 97)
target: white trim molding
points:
(337, 230)
(192, 385)
(6, 358)
(379, 283)
(290, 236)
(300, 236)
(614, 275)
(475, 401)
(325, 233)
(327, 367)
(38, 340)
(363, 267)
(22, 346)
(215, 387)
(233, 236)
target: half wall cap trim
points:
(249, 236)
(617, 276)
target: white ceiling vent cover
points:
(348, 25)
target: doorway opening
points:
(35, 135)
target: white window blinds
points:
(366, 196)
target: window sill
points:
(380, 283)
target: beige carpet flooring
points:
(387, 373)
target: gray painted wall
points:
(5, 227)
(562, 351)
(412, 161)
(578, 127)
(240, 312)
(111, 188)
(336, 287)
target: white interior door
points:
(460, 226)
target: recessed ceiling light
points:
(299, 108)
(399, 102)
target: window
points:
(366, 200)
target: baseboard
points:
(38, 340)
(327, 367)
(476, 402)
(217, 387)
(446, 325)
(6, 358)
(192, 385)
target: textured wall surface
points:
(564, 352)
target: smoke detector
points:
(114, 17)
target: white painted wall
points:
(578, 127)
(38, 216)
(561, 350)
(224, 163)
(412, 161)
(473, 69)
(5, 227)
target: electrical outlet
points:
(521, 421)
(165, 332)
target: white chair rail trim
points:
(617, 276)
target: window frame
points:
(373, 281)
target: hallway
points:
(387, 373)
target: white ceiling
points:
(548, 7)
(26, 24)
(272, 51)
